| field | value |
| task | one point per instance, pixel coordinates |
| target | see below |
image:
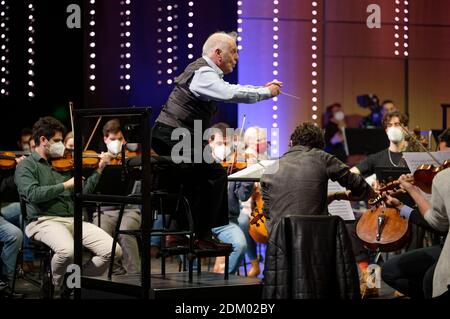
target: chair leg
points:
(226, 267)
(115, 239)
(191, 268)
(16, 268)
(199, 266)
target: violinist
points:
(50, 205)
(237, 191)
(411, 273)
(130, 262)
(256, 149)
(423, 272)
(392, 156)
(26, 142)
(69, 142)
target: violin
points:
(424, 175)
(8, 159)
(257, 227)
(66, 163)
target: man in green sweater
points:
(50, 204)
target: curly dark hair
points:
(308, 134)
(47, 126)
(402, 117)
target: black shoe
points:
(66, 292)
(7, 293)
(212, 243)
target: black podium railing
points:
(142, 116)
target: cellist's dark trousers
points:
(411, 273)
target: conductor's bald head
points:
(221, 48)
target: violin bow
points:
(92, 134)
(423, 147)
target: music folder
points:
(254, 172)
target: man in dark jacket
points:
(300, 185)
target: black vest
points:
(183, 107)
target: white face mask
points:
(219, 152)
(114, 147)
(339, 116)
(56, 150)
(132, 147)
(395, 134)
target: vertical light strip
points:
(171, 39)
(91, 49)
(159, 41)
(401, 29)
(190, 29)
(405, 28)
(275, 64)
(167, 39)
(125, 45)
(4, 47)
(30, 48)
(239, 24)
(397, 28)
(314, 58)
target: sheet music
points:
(254, 172)
(414, 159)
(340, 208)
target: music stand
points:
(362, 141)
(113, 181)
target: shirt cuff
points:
(265, 93)
(405, 211)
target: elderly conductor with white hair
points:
(194, 97)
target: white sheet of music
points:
(255, 171)
(414, 159)
(340, 208)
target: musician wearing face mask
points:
(130, 262)
(392, 156)
(26, 142)
(237, 191)
(334, 136)
(50, 209)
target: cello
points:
(382, 228)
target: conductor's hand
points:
(280, 84)
(274, 89)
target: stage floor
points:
(207, 285)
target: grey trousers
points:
(131, 261)
(57, 233)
